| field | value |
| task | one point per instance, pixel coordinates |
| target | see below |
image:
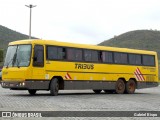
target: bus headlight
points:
(23, 84)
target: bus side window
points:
(103, 57)
(70, 54)
(74, 54)
(64, 53)
(61, 53)
(100, 56)
(87, 55)
(107, 57)
(38, 59)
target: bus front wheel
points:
(54, 87)
(32, 92)
(120, 86)
(130, 87)
(97, 91)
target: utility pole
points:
(30, 6)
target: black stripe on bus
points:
(96, 72)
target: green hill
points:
(139, 39)
(7, 35)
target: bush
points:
(1, 55)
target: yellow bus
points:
(51, 65)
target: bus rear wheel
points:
(54, 87)
(32, 92)
(130, 87)
(120, 86)
(97, 91)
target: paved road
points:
(143, 100)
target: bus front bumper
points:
(26, 85)
(16, 85)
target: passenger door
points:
(38, 63)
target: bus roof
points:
(84, 46)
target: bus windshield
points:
(18, 56)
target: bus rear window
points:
(148, 60)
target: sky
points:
(80, 21)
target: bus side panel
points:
(81, 85)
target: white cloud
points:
(81, 21)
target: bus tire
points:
(54, 87)
(130, 87)
(97, 91)
(32, 92)
(120, 86)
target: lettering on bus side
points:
(84, 66)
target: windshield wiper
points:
(12, 60)
(17, 63)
